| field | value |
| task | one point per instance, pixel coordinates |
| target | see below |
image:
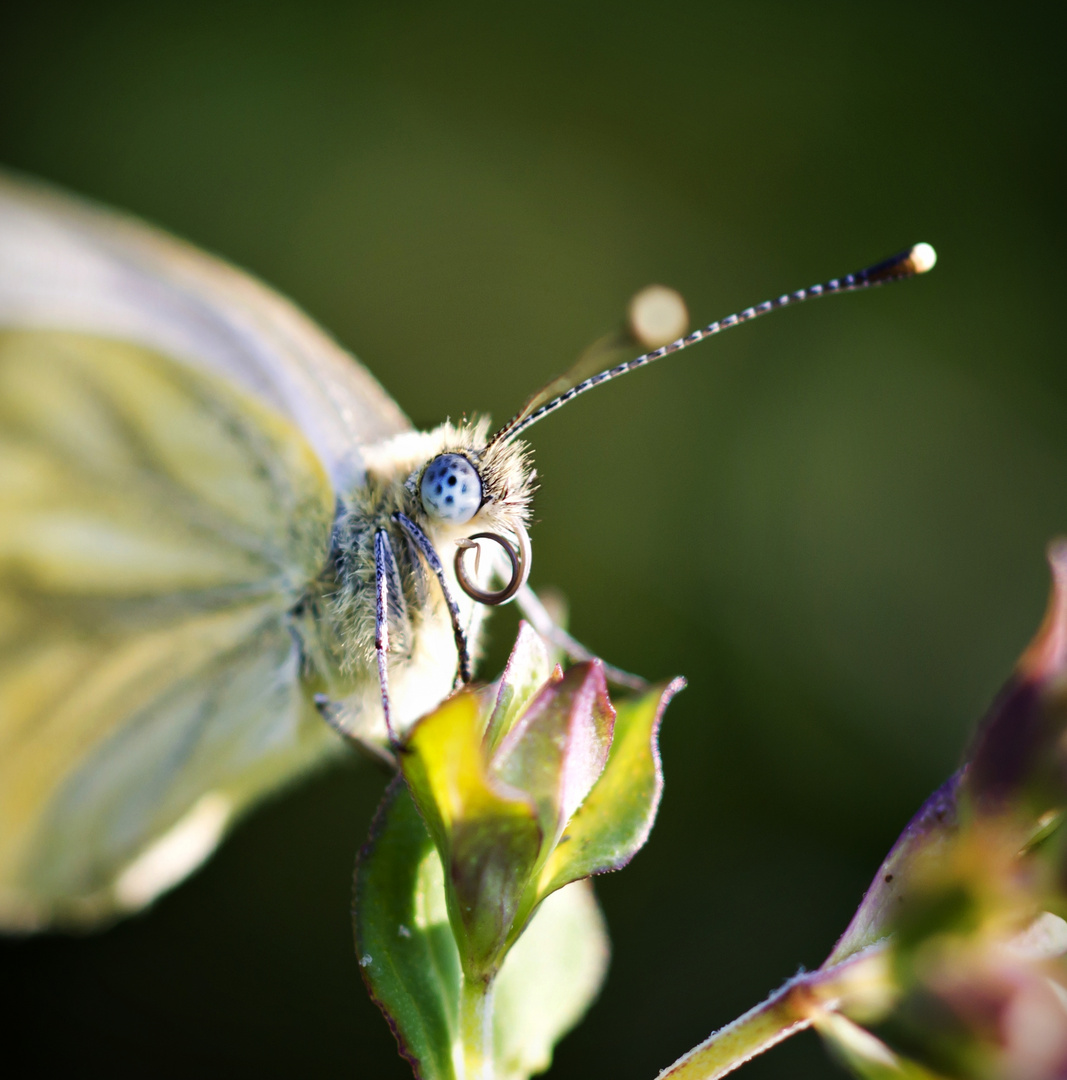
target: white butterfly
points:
(216, 529)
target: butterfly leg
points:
(386, 580)
(333, 714)
(537, 615)
(426, 549)
(388, 601)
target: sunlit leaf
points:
(549, 979)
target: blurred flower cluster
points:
(973, 899)
(955, 964)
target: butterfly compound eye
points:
(451, 489)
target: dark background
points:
(832, 522)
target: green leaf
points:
(616, 817)
(487, 834)
(404, 943)
(865, 1055)
(528, 669)
(549, 979)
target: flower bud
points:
(525, 781)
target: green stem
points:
(476, 1029)
(860, 978)
(783, 1014)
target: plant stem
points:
(783, 1014)
(861, 979)
(476, 1029)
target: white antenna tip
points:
(658, 316)
(922, 258)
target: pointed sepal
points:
(557, 749)
(617, 815)
(528, 668)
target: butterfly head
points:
(472, 489)
(466, 485)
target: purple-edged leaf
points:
(404, 943)
(557, 749)
(528, 669)
(928, 834)
(617, 815)
(549, 979)
(1017, 762)
(487, 834)
(1015, 768)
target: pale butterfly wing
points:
(172, 437)
(68, 265)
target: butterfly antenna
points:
(916, 260)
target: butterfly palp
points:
(451, 489)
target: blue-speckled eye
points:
(451, 489)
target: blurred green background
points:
(832, 522)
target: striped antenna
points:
(916, 260)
